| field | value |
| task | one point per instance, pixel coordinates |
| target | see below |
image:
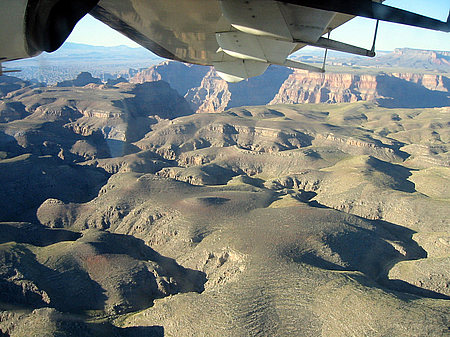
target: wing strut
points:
(326, 52)
(3, 70)
(324, 42)
(375, 37)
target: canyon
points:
(175, 204)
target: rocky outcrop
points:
(11, 83)
(10, 111)
(82, 79)
(206, 92)
(198, 175)
(212, 95)
(121, 267)
(180, 76)
(394, 92)
(155, 99)
(29, 180)
(115, 81)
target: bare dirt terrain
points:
(123, 213)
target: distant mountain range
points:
(84, 52)
(112, 62)
(73, 58)
(408, 58)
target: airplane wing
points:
(242, 38)
(239, 38)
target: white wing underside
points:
(239, 38)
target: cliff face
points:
(208, 93)
(304, 87)
(180, 76)
(429, 81)
(212, 95)
(393, 90)
(216, 95)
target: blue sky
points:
(359, 31)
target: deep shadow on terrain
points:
(369, 251)
(36, 235)
(28, 180)
(51, 322)
(403, 94)
(55, 273)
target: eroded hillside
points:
(125, 214)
